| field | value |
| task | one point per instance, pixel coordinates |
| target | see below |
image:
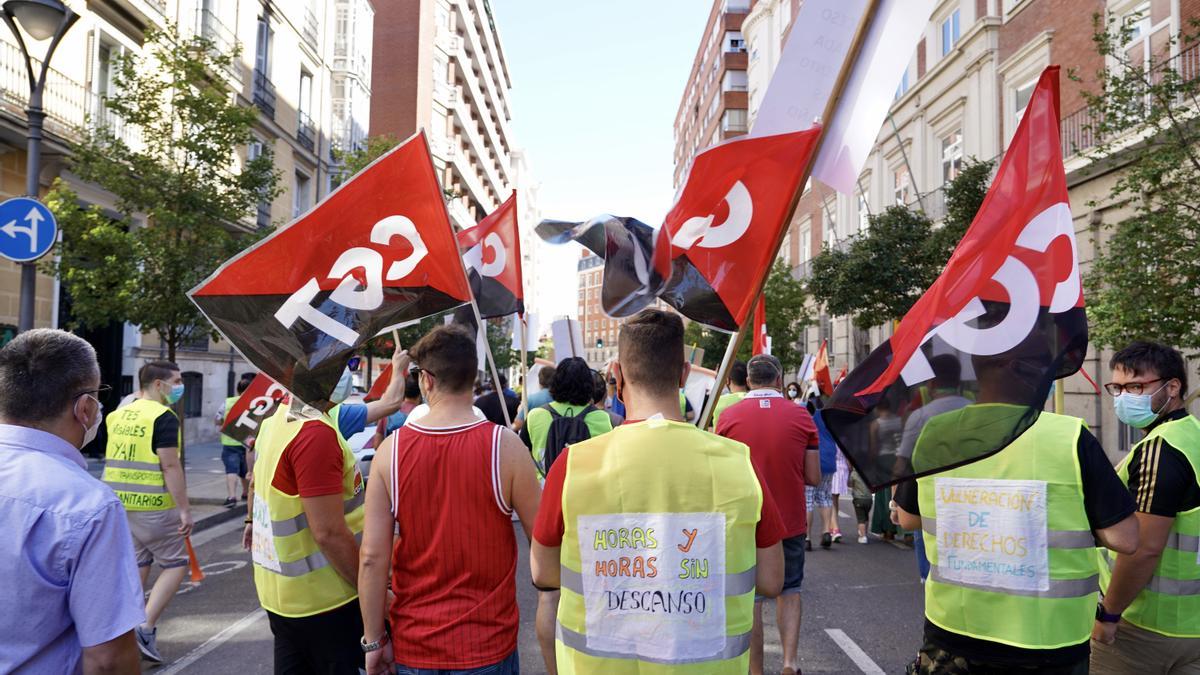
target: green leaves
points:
(1143, 283)
(876, 276)
(168, 151)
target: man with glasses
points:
(72, 597)
(352, 418)
(143, 467)
(1149, 617)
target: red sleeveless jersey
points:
(455, 558)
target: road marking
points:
(856, 654)
(205, 536)
(214, 642)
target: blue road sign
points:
(27, 229)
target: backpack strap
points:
(587, 409)
(553, 413)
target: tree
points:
(1143, 282)
(882, 271)
(786, 317)
(358, 158)
(180, 194)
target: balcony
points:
(306, 133)
(264, 93)
(311, 30)
(1079, 133)
(223, 39)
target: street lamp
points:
(41, 19)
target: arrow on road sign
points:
(34, 218)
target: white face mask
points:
(89, 433)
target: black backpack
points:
(564, 431)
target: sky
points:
(595, 89)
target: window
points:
(1138, 22)
(262, 46)
(734, 42)
(901, 186)
(302, 194)
(1021, 96)
(305, 101)
(952, 156)
(950, 32)
(864, 205)
(193, 395)
(805, 252)
(735, 80)
(785, 251)
(903, 87)
(734, 120)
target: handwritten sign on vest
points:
(992, 533)
(654, 583)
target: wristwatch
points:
(375, 646)
(1103, 616)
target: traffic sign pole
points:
(33, 170)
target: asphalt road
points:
(862, 613)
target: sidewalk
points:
(205, 484)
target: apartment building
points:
(713, 107)
(440, 67)
(599, 329)
(961, 97)
(293, 55)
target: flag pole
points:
(839, 85)
(524, 367)
(491, 359)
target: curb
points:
(215, 519)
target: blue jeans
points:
(509, 666)
(919, 548)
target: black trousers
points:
(323, 644)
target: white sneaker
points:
(862, 539)
(147, 641)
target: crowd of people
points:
(654, 544)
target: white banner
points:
(992, 533)
(654, 583)
(870, 91)
(528, 341)
(568, 338)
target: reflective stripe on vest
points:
(699, 607)
(131, 466)
(293, 577)
(988, 579)
(1170, 603)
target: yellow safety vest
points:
(131, 467)
(724, 402)
(658, 553)
(1012, 555)
(226, 440)
(1170, 602)
(293, 577)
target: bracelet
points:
(248, 520)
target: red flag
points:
(253, 406)
(726, 225)
(821, 371)
(377, 252)
(760, 328)
(841, 376)
(986, 341)
(493, 260)
(380, 385)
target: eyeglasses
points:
(1135, 388)
(95, 393)
(417, 370)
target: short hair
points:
(763, 370)
(650, 351)
(572, 382)
(599, 388)
(242, 385)
(545, 376)
(42, 372)
(448, 353)
(1144, 356)
(947, 371)
(503, 381)
(412, 388)
(737, 373)
(154, 371)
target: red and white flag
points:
(1001, 323)
(493, 259)
(256, 404)
(821, 370)
(761, 342)
(377, 252)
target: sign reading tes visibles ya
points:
(654, 583)
(993, 533)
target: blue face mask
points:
(175, 395)
(1136, 411)
(344, 388)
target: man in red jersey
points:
(784, 448)
(439, 530)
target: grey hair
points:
(42, 371)
(763, 370)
